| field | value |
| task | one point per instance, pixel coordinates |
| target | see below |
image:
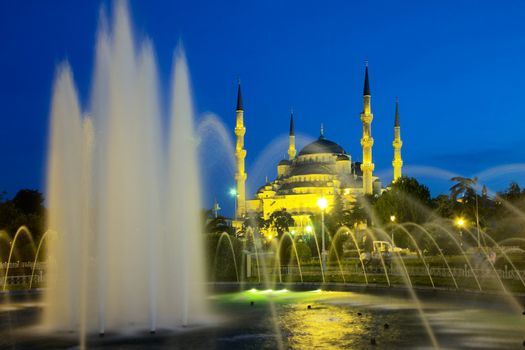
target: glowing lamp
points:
(322, 203)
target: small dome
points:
(343, 157)
(322, 145)
(285, 162)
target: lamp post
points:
(322, 203)
(392, 220)
(233, 193)
(460, 223)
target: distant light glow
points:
(322, 203)
(308, 229)
(233, 192)
(393, 218)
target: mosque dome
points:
(322, 145)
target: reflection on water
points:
(323, 326)
(337, 320)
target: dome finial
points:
(321, 134)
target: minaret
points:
(367, 167)
(397, 163)
(291, 147)
(215, 209)
(240, 154)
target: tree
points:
(219, 225)
(221, 266)
(27, 209)
(504, 221)
(443, 206)
(406, 200)
(280, 221)
(29, 202)
(252, 230)
(336, 218)
(512, 193)
(359, 212)
(465, 188)
(255, 222)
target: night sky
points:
(458, 69)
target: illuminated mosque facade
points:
(321, 169)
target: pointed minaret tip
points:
(396, 121)
(366, 89)
(321, 132)
(292, 128)
(239, 96)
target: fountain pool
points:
(335, 319)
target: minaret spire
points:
(292, 129)
(240, 155)
(366, 89)
(396, 120)
(291, 147)
(321, 132)
(397, 163)
(239, 96)
(367, 167)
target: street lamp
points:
(233, 193)
(392, 220)
(322, 203)
(460, 223)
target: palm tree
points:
(464, 190)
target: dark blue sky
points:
(457, 67)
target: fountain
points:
(126, 254)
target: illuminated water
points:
(335, 320)
(124, 253)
